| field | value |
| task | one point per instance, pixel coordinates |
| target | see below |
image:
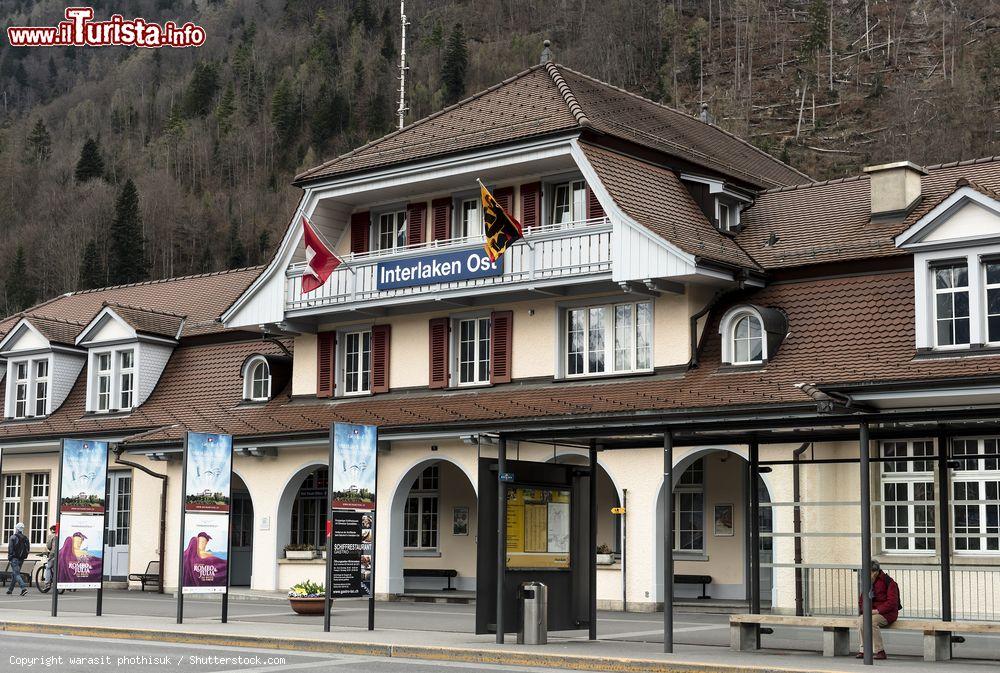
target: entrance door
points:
(119, 525)
(242, 539)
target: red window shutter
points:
(531, 205)
(416, 219)
(326, 348)
(594, 208)
(501, 344)
(360, 228)
(439, 328)
(441, 219)
(505, 197)
(380, 358)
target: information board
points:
(351, 557)
(538, 525)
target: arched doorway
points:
(609, 530)
(302, 511)
(433, 519)
(241, 534)
(710, 512)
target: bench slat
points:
(851, 622)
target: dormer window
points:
(257, 384)
(41, 387)
(20, 390)
(951, 304)
(751, 334)
(727, 214)
(126, 377)
(748, 340)
(104, 382)
(113, 380)
(29, 388)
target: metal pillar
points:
(754, 529)
(501, 532)
(592, 566)
(944, 523)
(866, 542)
(668, 543)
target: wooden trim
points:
(501, 346)
(439, 337)
(531, 204)
(380, 358)
(361, 225)
(416, 221)
(441, 219)
(326, 358)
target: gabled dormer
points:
(127, 349)
(43, 362)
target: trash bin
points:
(534, 599)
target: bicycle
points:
(44, 574)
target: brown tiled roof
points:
(145, 321)
(550, 98)
(831, 221)
(56, 330)
(655, 198)
(202, 298)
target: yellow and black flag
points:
(502, 230)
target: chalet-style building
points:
(672, 277)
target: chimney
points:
(546, 53)
(895, 189)
(704, 115)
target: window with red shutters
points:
(439, 365)
(441, 219)
(594, 208)
(416, 220)
(326, 349)
(505, 197)
(380, 358)
(531, 205)
(360, 231)
(501, 345)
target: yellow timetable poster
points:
(537, 528)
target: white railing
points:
(569, 250)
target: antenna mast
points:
(401, 110)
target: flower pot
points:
(308, 606)
(300, 555)
(605, 559)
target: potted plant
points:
(302, 552)
(605, 556)
(307, 598)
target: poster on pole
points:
(80, 560)
(83, 470)
(84, 476)
(351, 570)
(208, 473)
(206, 554)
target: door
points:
(119, 525)
(241, 552)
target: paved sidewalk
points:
(562, 653)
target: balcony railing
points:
(547, 255)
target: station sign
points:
(443, 267)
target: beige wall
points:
(47, 461)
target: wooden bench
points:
(703, 580)
(432, 572)
(27, 572)
(151, 576)
(744, 632)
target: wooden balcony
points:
(547, 258)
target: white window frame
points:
(577, 205)
(23, 406)
(907, 477)
(363, 374)
(425, 490)
(952, 291)
(41, 386)
(987, 287)
(732, 209)
(984, 473)
(463, 226)
(727, 329)
(608, 327)
(690, 488)
(38, 514)
(377, 222)
(113, 376)
(125, 374)
(11, 502)
(479, 358)
(251, 380)
(22, 388)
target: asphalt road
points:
(25, 653)
(689, 628)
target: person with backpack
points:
(885, 609)
(18, 548)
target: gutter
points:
(118, 449)
(797, 528)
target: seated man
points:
(885, 609)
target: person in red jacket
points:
(885, 609)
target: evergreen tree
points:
(127, 254)
(330, 115)
(200, 91)
(92, 272)
(284, 111)
(20, 290)
(39, 144)
(225, 109)
(91, 163)
(237, 251)
(263, 245)
(456, 63)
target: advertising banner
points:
(80, 560)
(84, 476)
(351, 557)
(209, 470)
(352, 473)
(205, 563)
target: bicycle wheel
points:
(40, 582)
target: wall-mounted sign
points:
(443, 267)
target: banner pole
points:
(328, 585)
(104, 529)
(54, 585)
(180, 545)
(229, 540)
(375, 515)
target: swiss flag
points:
(320, 259)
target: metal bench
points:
(703, 580)
(447, 573)
(27, 572)
(744, 631)
(151, 576)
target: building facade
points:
(671, 276)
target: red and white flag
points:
(320, 260)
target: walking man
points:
(885, 609)
(17, 550)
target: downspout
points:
(797, 523)
(163, 503)
(712, 303)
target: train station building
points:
(673, 280)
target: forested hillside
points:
(121, 164)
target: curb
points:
(574, 662)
